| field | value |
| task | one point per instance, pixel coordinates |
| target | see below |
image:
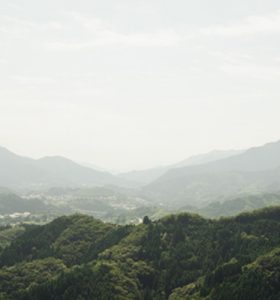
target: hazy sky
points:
(129, 84)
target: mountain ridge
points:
(18, 171)
(256, 170)
(144, 177)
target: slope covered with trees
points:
(180, 256)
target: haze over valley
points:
(209, 184)
(140, 150)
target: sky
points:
(133, 84)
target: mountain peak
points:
(18, 171)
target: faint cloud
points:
(14, 6)
(17, 26)
(261, 72)
(230, 57)
(268, 24)
(110, 38)
(28, 80)
(97, 33)
(101, 34)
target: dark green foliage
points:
(112, 238)
(68, 238)
(75, 242)
(36, 242)
(146, 220)
(104, 281)
(18, 279)
(178, 257)
(8, 234)
(259, 280)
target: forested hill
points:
(178, 257)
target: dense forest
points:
(180, 256)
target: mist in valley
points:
(139, 150)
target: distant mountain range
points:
(21, 172)
(256, 170)
(198, 181)
(144, 177)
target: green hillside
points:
(180, 256)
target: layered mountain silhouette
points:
(20, 172)
(144, 177)
(199, 180)
(253, 171)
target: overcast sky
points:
(128, 84)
